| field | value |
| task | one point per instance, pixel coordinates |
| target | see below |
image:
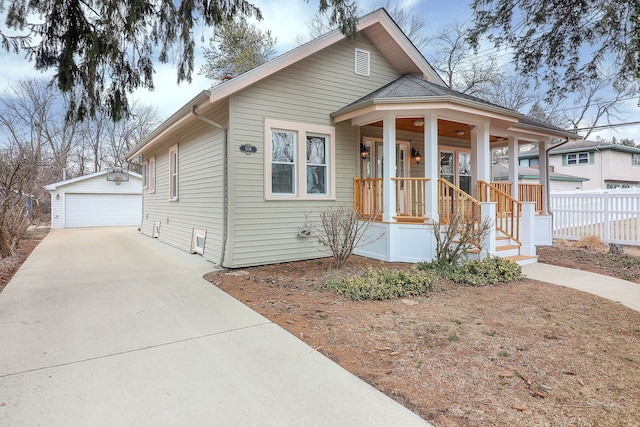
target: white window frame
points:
(151, 175)
(198, 240)
(174, 169)
(635, 159)
(145, 174)
(575, 159)
(301, 131)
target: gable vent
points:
(363, 62)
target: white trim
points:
(174, 169)
(301, 130)
(198, 233)
(152, 175)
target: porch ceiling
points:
(446, 128)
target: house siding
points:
(266, 231)
(200, 187)
(608, 165)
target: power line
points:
(607, 126)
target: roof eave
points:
(184, 111)
(548, 131)
(345, 113)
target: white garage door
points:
(102, 210)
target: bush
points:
(488, 271)
(380, 284)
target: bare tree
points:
(18, 177)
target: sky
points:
(286, 23)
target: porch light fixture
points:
(418, 122)
(416, 155)
(58, 196)
(459, 132)
(364, 152)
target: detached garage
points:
(108, 198)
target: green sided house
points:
(364, 123)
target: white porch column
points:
(389, 167)
(528, 229)
(543, 168)
(480, 156)
(489, 214)
(513, 166)
(431, 165)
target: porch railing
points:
(531, 193)
(452, 200)
(526, 192)
(367, 197)
(507, 209)
(410, 199)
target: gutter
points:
(225, 188)
(547, 178)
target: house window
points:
(151, 175)
(317, 164)
(362, 62)
(300, 160)
(578, 159)
(635, 159)
(173, 173)
(283, 164)
(145, 174)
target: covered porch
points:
(426, 154)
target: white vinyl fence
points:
(612, 215)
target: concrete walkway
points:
(109, 327)
(622, 291)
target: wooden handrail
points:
(452, 200)
(410, 197)
(507, 209)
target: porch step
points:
(507, 247)
(523, 259)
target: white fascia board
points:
(422, 105)
(299, 53)
(171, 123)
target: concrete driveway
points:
(105, 326)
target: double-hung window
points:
(145, 174)
(635, 159)
(151, 175)
(578, 159)
(173, 173)
(299, 160)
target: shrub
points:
(380, 284)
(488, 271)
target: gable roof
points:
(58, 184)
(377, 26)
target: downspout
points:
(225, 189)
(547, 179)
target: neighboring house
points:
(605, 165)
(531, 175)
(102, 199)
(237, 172)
